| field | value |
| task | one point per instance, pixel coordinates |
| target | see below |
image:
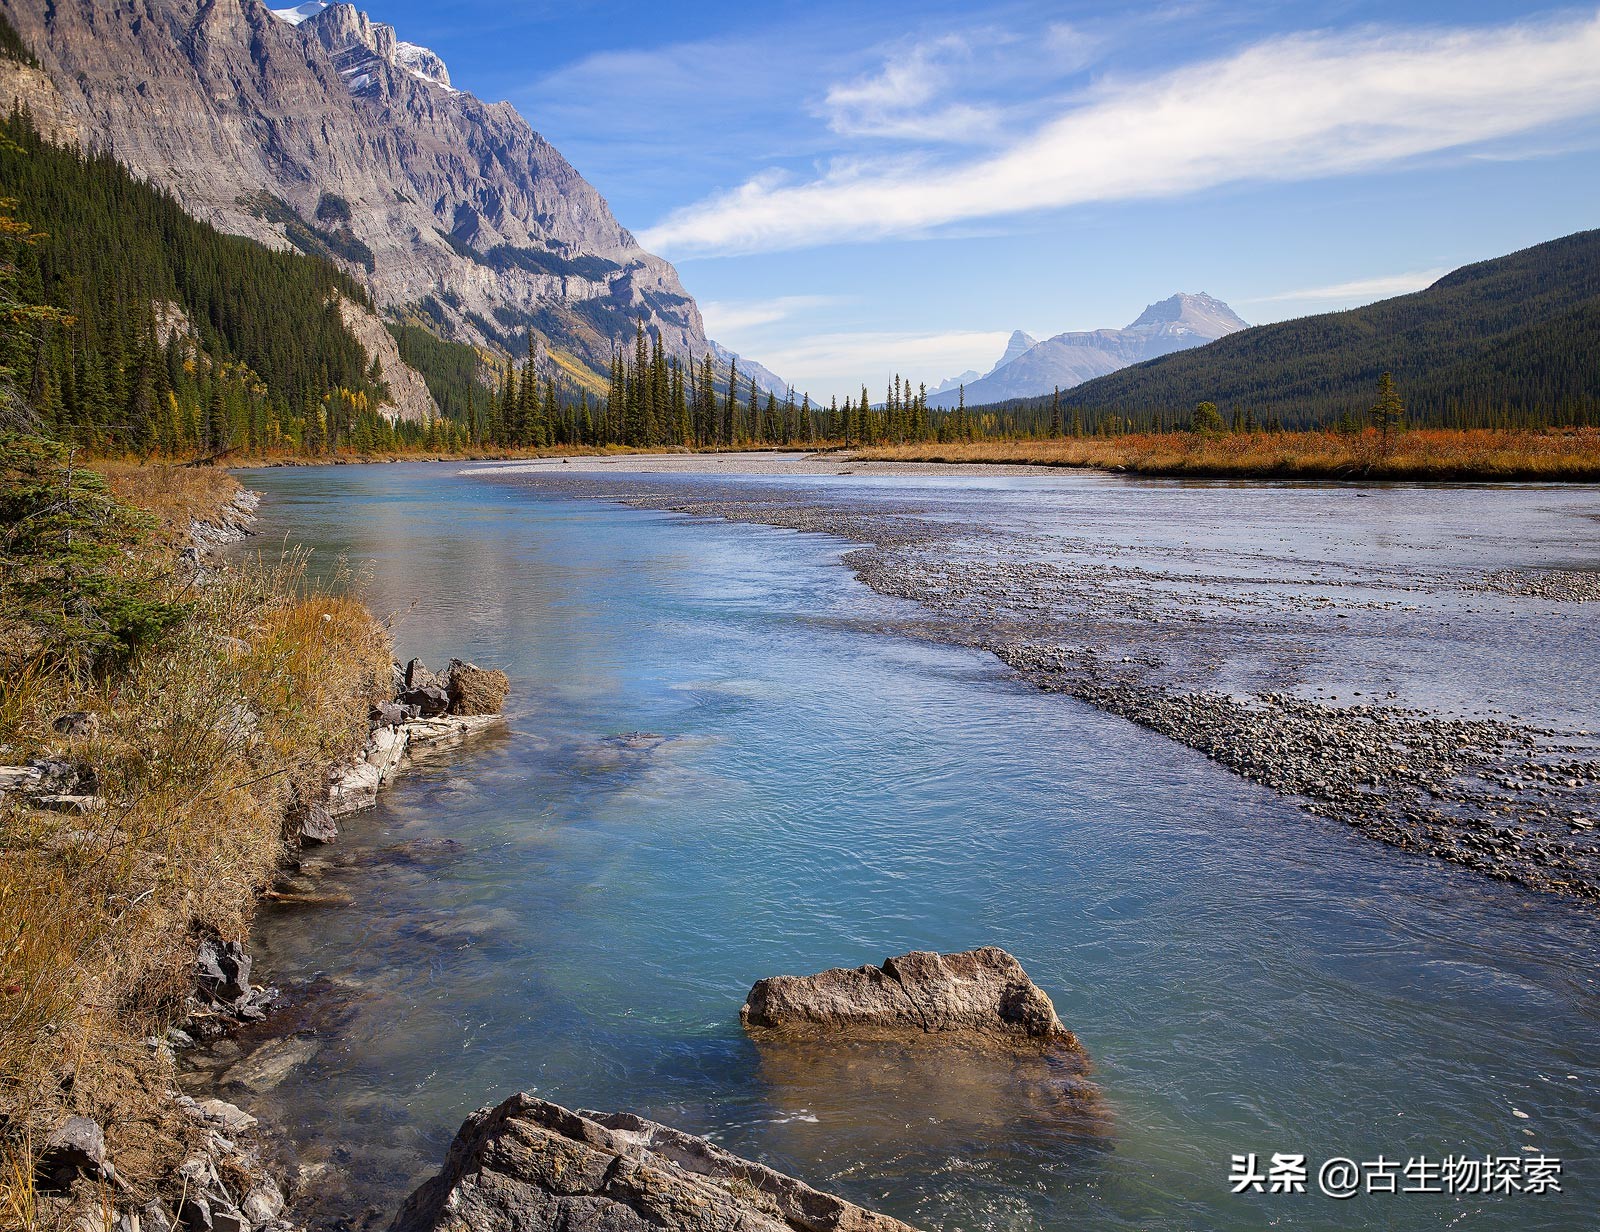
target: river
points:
(727, 758)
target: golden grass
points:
(1571, 455)
(202, 745)
(174, 495)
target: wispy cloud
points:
(1360, 290)
(725, 318)
(1291, 108)
(836, 361)
(902, 99)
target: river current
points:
(727, 758)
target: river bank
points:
(1210, 650)
(1427, 455)
(160, 783)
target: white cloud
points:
(1286, 109)
(725, 318)
(894, 102)
(1360, 290)
(836, 364)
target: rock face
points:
(335, 135)
(979, 994)
(1029, 369)
(531, 1166)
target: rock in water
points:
(531, 1166)
(979, 994)
(473, 690)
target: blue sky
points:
(853, 190)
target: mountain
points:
(318, 128)
(1018, 344)
(955, 383)
(766, 380)
(182, 339)
(1516, 336)
(1066, 360)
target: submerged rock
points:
(267, 1067)
(532, 1166)
(981, 994)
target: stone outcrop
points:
(338, 136)
(409, 397)
(429, 712)
(978, 995)
(532, 1166)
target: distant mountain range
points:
(766, 380)
(1030, 367)
(1516, 335)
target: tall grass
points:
(204, 740)
(1571, 455)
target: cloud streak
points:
(724, 318)
(1293, 108)
(1360, 290)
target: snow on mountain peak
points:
(300, 12)
(420, 62)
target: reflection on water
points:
(718, 768)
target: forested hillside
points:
(1510, 342)
(166, 335)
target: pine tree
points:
(1388, 412)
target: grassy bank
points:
(1422, 454)
(215, 702)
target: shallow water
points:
(559, 910)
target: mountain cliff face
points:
(1029, 368)
(320, 128)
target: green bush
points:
(75, 588)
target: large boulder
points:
(532, 1166)
(430, 700)
(476, 690)
(976, 995)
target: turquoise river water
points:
(725, 759)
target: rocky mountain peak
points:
(1204, 313)
(1029, 368)
(1020, 343)
(357, 44)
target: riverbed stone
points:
(317, 825)
(76, 1149)
(981, 994)
(532, 1166)
(267, 1067)
(79, 724)
(222, 970)
(430, 700)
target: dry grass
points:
(176, 496)
(202, 744)
(1427, 453)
